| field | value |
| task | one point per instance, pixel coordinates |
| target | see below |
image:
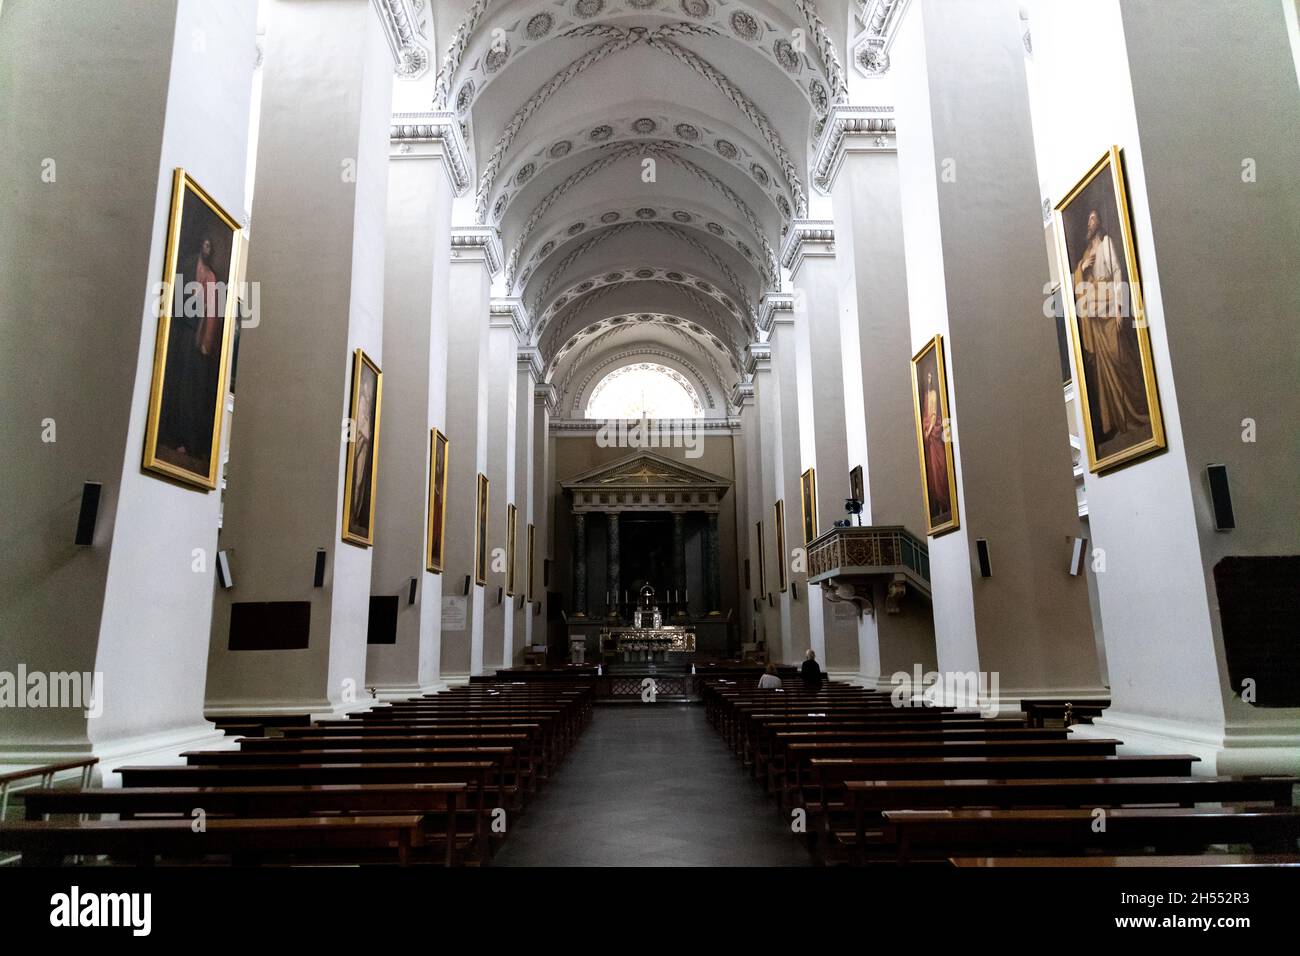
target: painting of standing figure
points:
(1103, 301)
(934, 438)
(195, 331)
(362, 462)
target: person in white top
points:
(769, 681)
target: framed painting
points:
(762, 562)
(808, 503)
(781, 578)
(481, 531)
(435, 547)
(361, 472)
(532, 562)
(1102, 287)
(857, 490)
(933, 438)
(196, 319)
(512, 514)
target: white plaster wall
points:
(498, 619)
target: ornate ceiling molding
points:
(403, 29)
(455, 51)
(808, 238)
(852, 129)
(626, 357)
(826, 49)
(880, 19)
(616, 41)
(667, 151)
(410, 129)
(481, 242)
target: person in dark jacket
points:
(809, 671)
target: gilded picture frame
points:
(512, 514)
(808, 504)
(439, 465)
(782, 578)
(857, 489)
(483, 494)
(361, 469)
(934, 440)
(191, 366)
(1104, 309)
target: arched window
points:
(644, 390)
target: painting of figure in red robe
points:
(195, 326)
(934, 438)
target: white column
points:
(858, 164)
(742, 405)
(975, 273)
(426, 170)
(1213, 218)
(475, 259)
(507, 324)
(91, 140)
(809, 253)
(322, 172)
(544, 492)
(527, 373)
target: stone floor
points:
(651, 785)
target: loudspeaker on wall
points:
(89, 512)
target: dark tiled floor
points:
(651, 785)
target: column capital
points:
(758, 358)
(529, 358)
(432, 135)
(481, 243)
(807, 239)
(742, 395)
(852, 129)
(880, 18)
(547, 395)
(775, 307)
(503, 310)
(404, 27)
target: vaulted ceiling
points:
(642, 160)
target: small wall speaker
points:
(89, 513)
(224, 577)
(410, 591)
(318, 579)
(1078, 555)
(468, 578)
(794, 591)
(500, 592)
(1221, 497)
(982, 552)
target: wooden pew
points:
(1145, 861)
(45, 843)
(1270, 829)
(439, 804)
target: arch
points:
(674, 394)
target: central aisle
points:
(651, 785)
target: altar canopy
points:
(645, 482)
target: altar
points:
(648, 640)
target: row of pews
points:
(865, 782)
(436, 779)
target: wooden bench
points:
(439, 804)
(1145, 861)
(1269, 829)
(247, 841)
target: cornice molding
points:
(775, 307)
(530, 357)
(402, 30)
(758, 358)
(852, 129)
(742, 395)
(586, 426)
(409, 131)
(880, 19)
(548, 395)
(512, 309)
(807, 238)
(481, 242)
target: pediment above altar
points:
(645, 481)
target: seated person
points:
(769, 681)
(809, 671)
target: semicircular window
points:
(644, 390)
